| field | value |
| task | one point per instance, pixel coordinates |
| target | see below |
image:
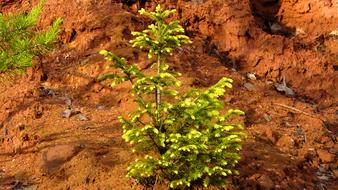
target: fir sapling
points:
(186, 140)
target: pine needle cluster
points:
(21, 41)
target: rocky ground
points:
(59, 126)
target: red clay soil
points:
(292, 139)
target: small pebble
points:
(100, 107)
(267, 117)
(251, 76)
(249, 86)
(283, 88)
(276, 28)
(68, 102)
(286, 123)
(300, 31)
(269, 82)
(334, 33)
(67, 113)
(46, 91)
(82, 117)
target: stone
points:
(265, 182)
(276, 28)
(251, 76)
(267, 117)
(100, 107)
(300, 31)
(68, 102)
(44, 91)
(325, 156)
(67, 113)
(82, 117)
(334, 33)
(283, 88)
(250, 86)
(285, 123)
(269, 83)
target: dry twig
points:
(294, 109)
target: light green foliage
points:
(160, 38)
(20, 41)
(186, 139)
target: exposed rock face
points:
(275, 39)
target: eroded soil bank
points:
(292, 138)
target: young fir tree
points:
(20, 41)
(185, 140)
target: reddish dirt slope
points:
(292, 140)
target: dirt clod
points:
(69, 112)
(325, 156)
